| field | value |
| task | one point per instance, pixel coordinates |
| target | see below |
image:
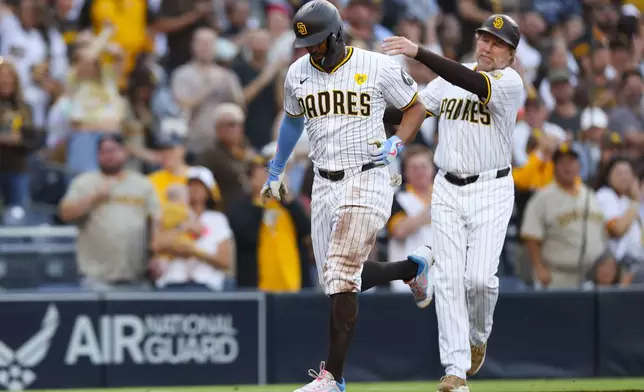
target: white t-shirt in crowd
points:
(613, 206)
(217, 230)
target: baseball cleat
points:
(451, 383)
(421, 286)
(478, 357)
(324, 382)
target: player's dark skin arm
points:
(454, 72)
(412, 119)
(394, 116)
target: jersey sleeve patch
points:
(406, 78)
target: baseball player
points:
(340, 93)
(473, 193)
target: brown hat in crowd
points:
(565, 150)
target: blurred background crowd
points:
(118, 113)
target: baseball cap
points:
(202, 174)
(558, 75)
(613, 139)
(115, 137)
(169, 141)
(593, 117)
(564, 150)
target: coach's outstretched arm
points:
(450, 70)
(289, 133)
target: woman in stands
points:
(16, 138)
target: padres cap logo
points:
(498, 22)
(301, 28)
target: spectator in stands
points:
(95, 104)
(178, 20)
(239, 21)
(554, 220)
(263, 89)
(65, 22)
(141, 125)
(174, 169)
(410, 224)
(273, 239)
(619, 198)
(362, 24)
(608, 273)
(533, 123)
(131, 25)
(628, 117)
(278, 25)
(16, 138)
(565, 113)
(117, 213)
(200, 86)
(229, 155)
(38, 52)
(538, 171)
(612, 146)
(205, 264)
(593, 130)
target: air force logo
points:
(15, 366)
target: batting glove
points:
(274, 186)
(386, 150)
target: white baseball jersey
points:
(344, 108)
(475, 134)
(470, 221)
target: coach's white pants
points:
(470, 224)
(346, 216)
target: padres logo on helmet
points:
(301, 28)
(502, 27)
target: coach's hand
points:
(274, 187)
(399, 45)
(386, 150)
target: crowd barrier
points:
(58, 341)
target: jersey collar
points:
(340, 64)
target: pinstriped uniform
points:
(470, 221)
(343, 109)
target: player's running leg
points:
(364, 209)
(415, 271)
(489, 217)
(449, 243)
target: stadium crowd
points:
(118, 113)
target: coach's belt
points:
(460, 181)
(339, 174)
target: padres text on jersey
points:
(475, 133)
(344, 108)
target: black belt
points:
(339, 174)
(459, 181)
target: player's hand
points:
(399, 45)
(274, 188)
(543, 275)
(386, 150)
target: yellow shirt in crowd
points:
(278, 257)
(535, 174)
(163, 179)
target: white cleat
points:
(324, 382)
(421, 286)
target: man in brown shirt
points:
(200, 86)
(114, 210)
(228, 156)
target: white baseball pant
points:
(346, 216)
(469, 225)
